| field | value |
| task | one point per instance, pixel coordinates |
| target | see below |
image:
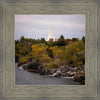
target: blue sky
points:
(38, 26)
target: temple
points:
(50, 35)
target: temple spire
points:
(50, 35)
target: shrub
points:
(79, 63)
(52, 65)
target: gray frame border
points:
(98, 54)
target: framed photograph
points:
(50, 50)
(52, 58)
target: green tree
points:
(74, 39)
(50, 43)
(73, 53)
(42, 40)
(67, 41)
(22, 38)
(83, 39)
(61, 41)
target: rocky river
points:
(23, 77)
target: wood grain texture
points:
(10, 90)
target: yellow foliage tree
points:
(56, 51)
(39, 52)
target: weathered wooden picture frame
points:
(10, 90)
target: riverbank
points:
(76, 74)
(23, 77)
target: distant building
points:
(50, 35)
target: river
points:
(23, 77)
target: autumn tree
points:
(67, 41)
(56, 51)
(49, 52)
(39, 53)
(74, 54)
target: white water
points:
(56, 73)
(20, 68)
(62, 77)
(68, 77)
(53, 74)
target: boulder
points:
(63, 75)
(52, 71)
(43, 70)
(31, 65)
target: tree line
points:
(51, 53)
